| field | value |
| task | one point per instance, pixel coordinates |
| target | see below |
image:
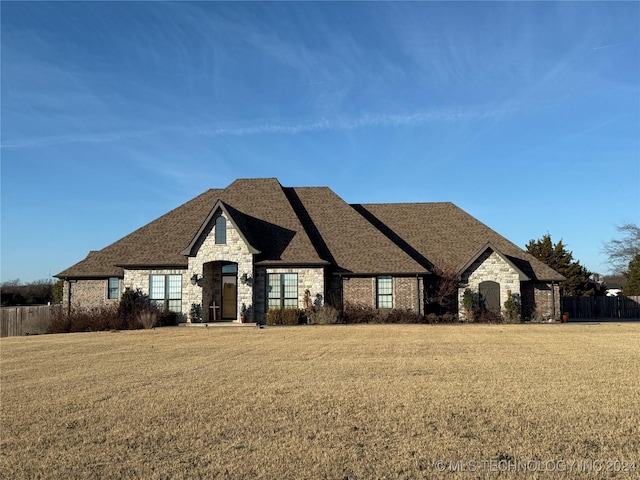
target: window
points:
(113, 288)
(165, 292)
(230, 268)
(384, 288)
(283, 290)
(221, 230)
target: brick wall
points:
(359, 290)
(538, 300)
(88, 293)
(408, 292)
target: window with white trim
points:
(113, 288)
(384, 292)
(283, 290)
(165, 292)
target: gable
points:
(209, 227)
(485, 252)
(449, 237)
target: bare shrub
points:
(432, 318)
(284, 316)
(487, 316)
(442, 293)
(324, 315)
(148, 319)
(403, 315)
(105, 317)
(360, 313)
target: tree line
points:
(623, 255)
(38, 292)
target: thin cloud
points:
(609, 46)
(366, 120)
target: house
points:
(259, 244)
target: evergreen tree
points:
(556, 256)
(632, 286)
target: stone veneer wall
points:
(235, 250)
(88, 293)
(309, 278)
(139, 280)
(489, 267)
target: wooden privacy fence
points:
(602, 307)
(27, 320)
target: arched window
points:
(221, 230)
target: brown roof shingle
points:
(353, 243)
(449, 237)
(313, 225)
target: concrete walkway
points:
(217, 324)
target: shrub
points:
(469, 304)
(324, 315)
(167, 318)
(273, 316)
(105, 317)
(360, 313)
(403, 315)
(511, 308)
(487, 316)
(291, 316)
(195, 313)
(450, 318)
(60, 322)
(148, 319)
(284, 316)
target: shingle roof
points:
(449, 237)
(158, 243)
(353, 243)
(312, 225)
(259, 206)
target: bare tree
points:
(442, 292)
(621, 251)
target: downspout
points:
(418, 292)
(341, 293)
(553, 300)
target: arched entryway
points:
(220, 291)
(490, 295)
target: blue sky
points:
(526, 115)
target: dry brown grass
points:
(364, 401)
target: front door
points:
(229, 296)
(490, 295)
